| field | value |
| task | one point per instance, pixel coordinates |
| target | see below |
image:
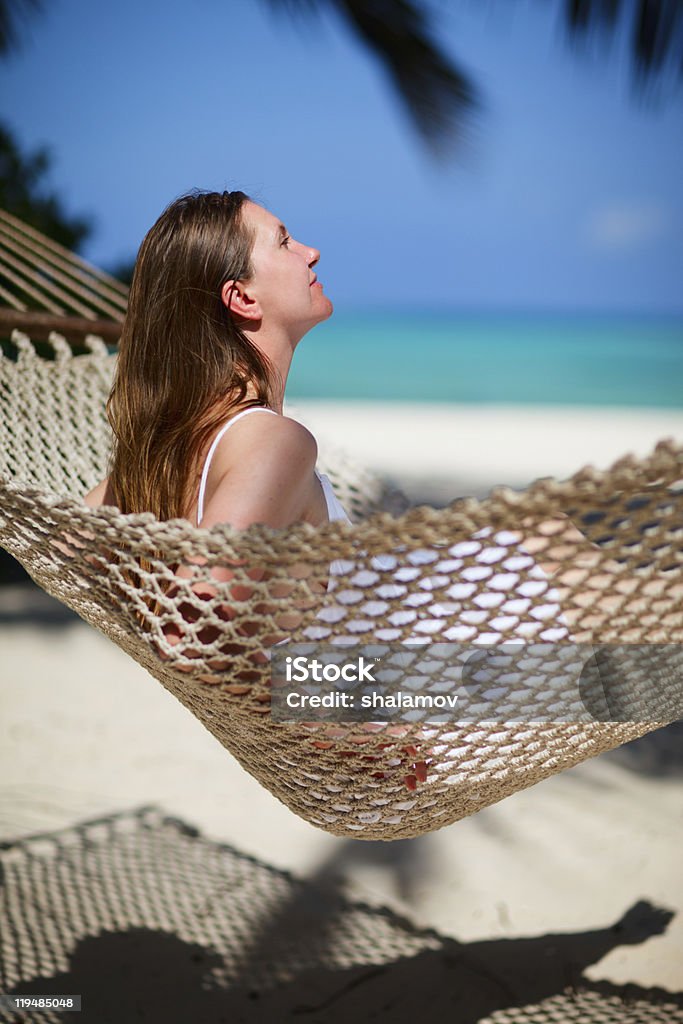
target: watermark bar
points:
(470, 683)
(31, 1003)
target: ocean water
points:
(515, 359)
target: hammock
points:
(455, 576)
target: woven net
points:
(43, 286)
(473, 575)
(147, 920)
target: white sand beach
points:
(440, 452)
(85, 732)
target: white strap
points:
(212, 450)
(335, 509)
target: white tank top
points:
(335, 510)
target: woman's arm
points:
(271, 483)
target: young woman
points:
(221, 296)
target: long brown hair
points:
(184, 365)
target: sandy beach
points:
(436, 453)
(86, 732)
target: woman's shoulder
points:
(297, 435)
(267, 437)
(264, 474)
(102, 494)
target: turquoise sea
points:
(520, 359)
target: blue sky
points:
(568, 196)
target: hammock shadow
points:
(210, 935)
(404, 860)
(148, 975)
(11, 571)
(23, 603)
(658, 754)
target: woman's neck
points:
(278, 349)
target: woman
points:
(220, 298)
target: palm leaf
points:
(655, 28)
(434, 88)
(12, 14)
(436, 93)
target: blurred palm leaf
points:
(435, 89)
(436, 92)
(12, 14)
(655, 28)
(24, 192)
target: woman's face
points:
(284, 283)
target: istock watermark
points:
(470, 683)
(302, 669)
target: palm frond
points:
(582, 13)
(437, 93)
(12, 14)
(655, 28)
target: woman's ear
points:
(236, 297)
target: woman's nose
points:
(313, 257)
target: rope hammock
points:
(45, 287)
(455, 576)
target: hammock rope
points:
(458, 577)
(52, 288)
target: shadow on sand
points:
(149, 921)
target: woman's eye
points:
(286, 241)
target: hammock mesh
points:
(148, 920)
(455, 576)
(43, 286)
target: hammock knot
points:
(60, 347)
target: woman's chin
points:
(322, 313)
